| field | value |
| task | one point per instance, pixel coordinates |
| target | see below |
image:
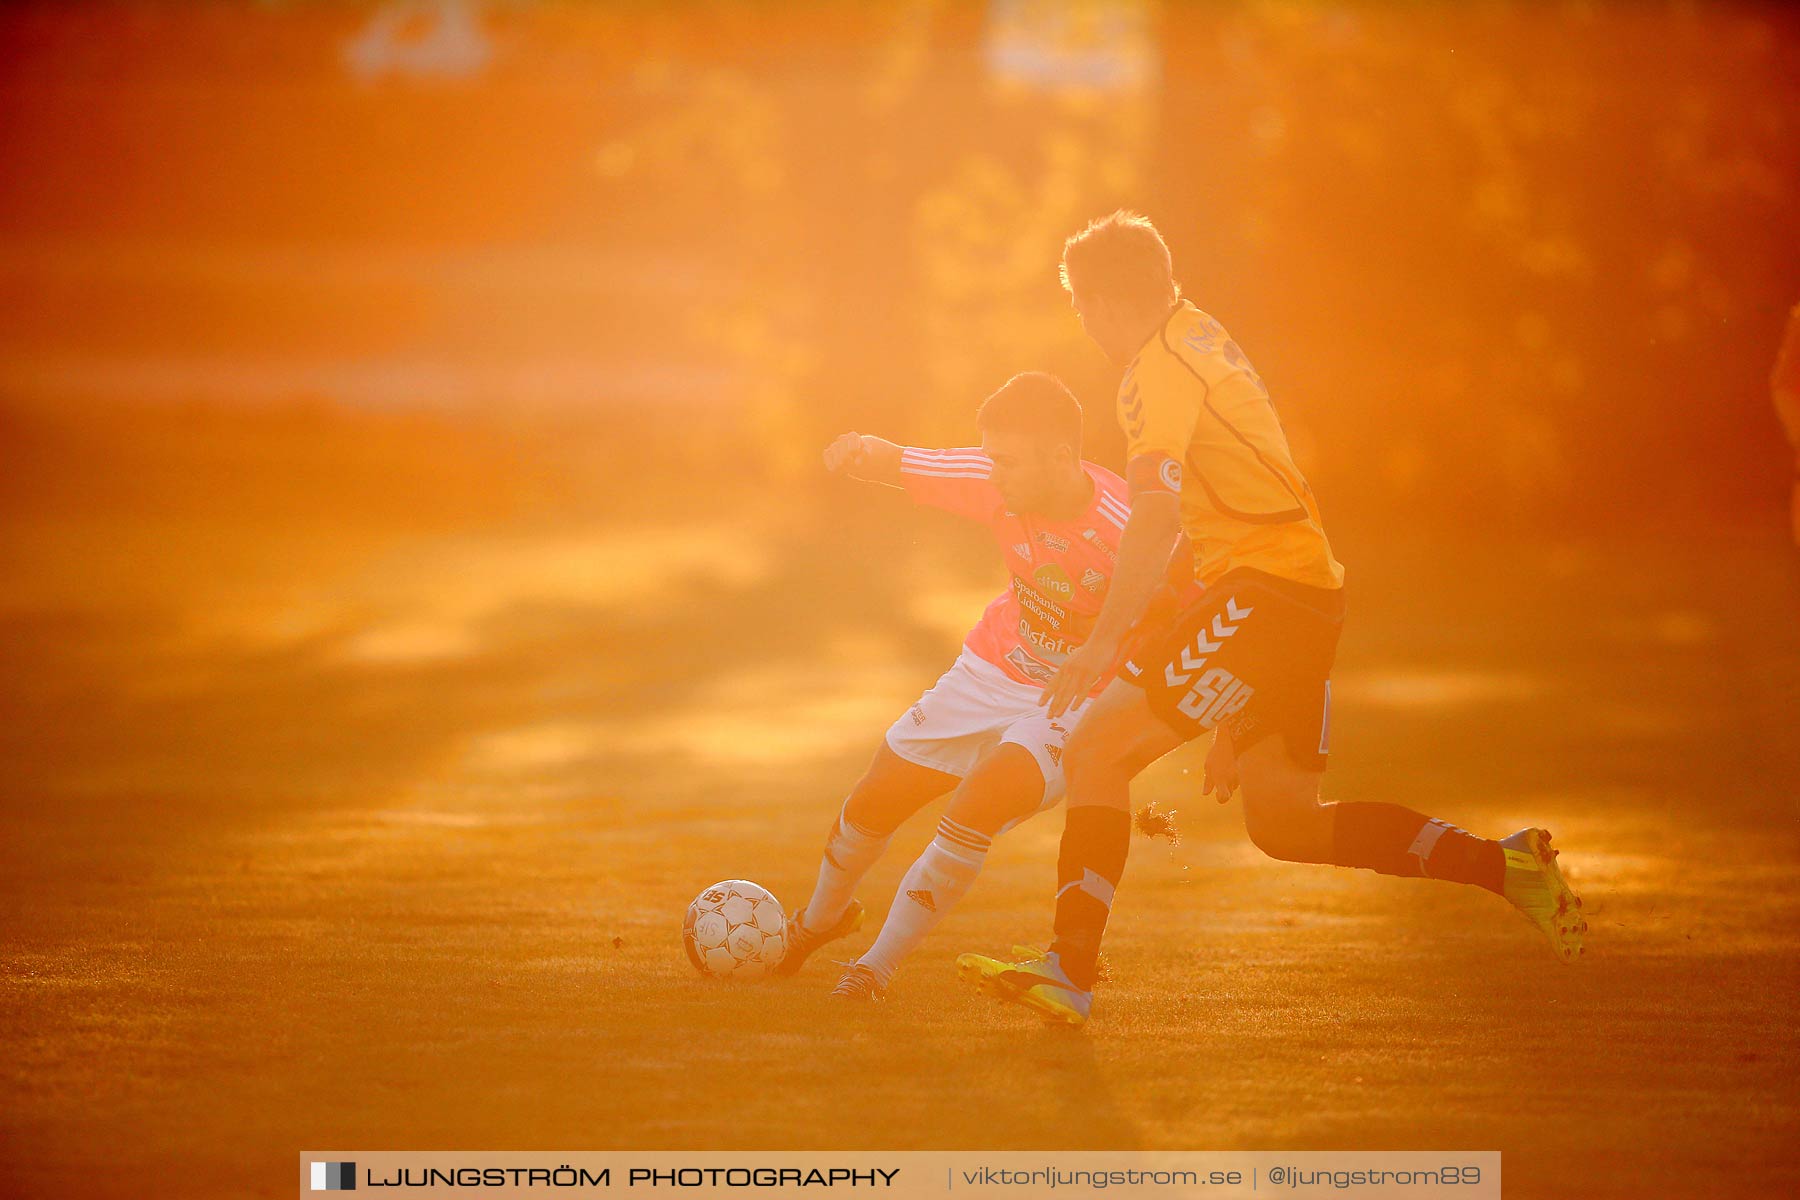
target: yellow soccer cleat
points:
(1035, 981)
(1535, 886)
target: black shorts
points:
(1254, 654)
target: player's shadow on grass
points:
(1082, 1112)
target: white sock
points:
(931, 887)
(849, 853)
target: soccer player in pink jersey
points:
(979, 733)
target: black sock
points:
(1089, 866)
(1398, 841)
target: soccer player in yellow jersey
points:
(1252, 656)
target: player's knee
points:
(865, 805)
(879, 801)
(1007, 786)
(1093, 750)
(1277, 832)
(1287, 822)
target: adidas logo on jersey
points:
(1022, 549)
(1054, 751)
(923, 900)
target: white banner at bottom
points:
(911, 1174)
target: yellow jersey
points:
(1198, 421)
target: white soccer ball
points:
(734, 930)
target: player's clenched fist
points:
(846, 454)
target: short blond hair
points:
(1121, 257)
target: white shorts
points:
(974, 708)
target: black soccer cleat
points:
(801, 941)
(859, 984)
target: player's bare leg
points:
(1117, 738)
(1282, 813)
(890, 791)
(1285, 819)
(1005, 786)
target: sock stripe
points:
(1094, 884)
(962, 835)
(976, 837)
(965, 855)
(970, 830)
(953, 840)
(1427, 840)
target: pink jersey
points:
(1060, 569)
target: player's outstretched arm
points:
(864, 456)
(1144, 550)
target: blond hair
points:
(1121, 257)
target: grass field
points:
(383, 841)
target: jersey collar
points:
(1174, 309)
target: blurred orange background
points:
(1526, 261)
